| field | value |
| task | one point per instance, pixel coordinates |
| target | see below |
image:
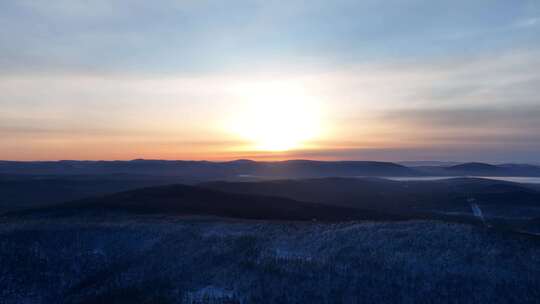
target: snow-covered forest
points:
(205, 260)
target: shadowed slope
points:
(189, 200)
(387, 195)
(20, 192)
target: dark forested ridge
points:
(27, 191)
(334, 199)
(190, 200)
(497, 204)
(381, 194)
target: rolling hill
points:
(27, 191)
(393, 196)
(190, 200)
(481, 169)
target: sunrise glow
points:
(276, 116)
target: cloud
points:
(70, 8)
(527, 22)
(518, 118)
(486, 81)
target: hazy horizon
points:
(407, 163)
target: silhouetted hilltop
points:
(189, 200)
(395, 196)
(24, 191)
(307, 168)
(474, 167)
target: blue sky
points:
(209, 36)
(448, 80)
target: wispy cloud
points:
(527, 22)
(520, 119)
(70, 8)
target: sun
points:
(276, 116)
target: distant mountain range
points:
(210, 170)
(204, 170)
(482, 169)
